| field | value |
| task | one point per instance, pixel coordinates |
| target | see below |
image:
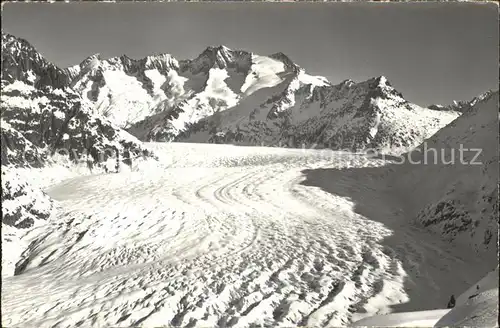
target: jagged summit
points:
(483, 97)
(159, 61)
(465, 106)
(382, 80)
(285, 60)
(161, 98)
(217, 49)
(90, 62)
(22, 62)
(382, 88)
(16, 44)
(379, 81)
(220, 57)
(89, 59)
(162, 60)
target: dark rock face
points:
(18, 150)
(21, 62)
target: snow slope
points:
(454, 202)
(455, 193)
(404, 319)
(459, 203)
(222, 235)
(481, 311)
(476, 307)
(24, 207)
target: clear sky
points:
(431, 52)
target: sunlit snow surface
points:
(476, 307)
(218, 235)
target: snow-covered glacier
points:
(206, 239)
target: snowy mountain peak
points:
(382, 81)
(218, 56)
(21, 61)
(15, 45)
(285, 60)
(90, 62)
(380, 87)
(347, 83)
(464, 106)
(163, 61)
(483, 97)
(90, 59)
(218, 49)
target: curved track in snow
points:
(217, 236)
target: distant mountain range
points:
(232, 96)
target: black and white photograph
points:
(249, 164)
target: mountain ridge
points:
(161, 98)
